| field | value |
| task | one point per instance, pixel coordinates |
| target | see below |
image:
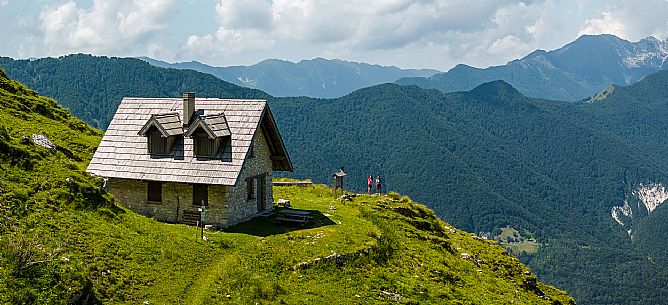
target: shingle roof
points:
(215, 125)
(169, 124)
(123, 151)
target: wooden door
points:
(200, 194)
(261, 193)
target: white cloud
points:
(243, 26)
(480, 32)
(631, 20)
(408, 33)
(606, 23)
(465, 28)
(157, 50)
(245, 14)
(361, 24)
(106, 27)
(505, 45)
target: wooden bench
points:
(190, 218)
(294, 216)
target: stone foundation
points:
(176, 198)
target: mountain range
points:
(575, 188)
(573, 72)
(318, 77)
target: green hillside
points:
(63, 240)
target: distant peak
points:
(497, 88)
(321, 59)
(535, 53)
(650, 39)
(460, 66)
(611, 37)
(597, 36)
(273, 61)
(463, 67)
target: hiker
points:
(379, 187)
(369, 180)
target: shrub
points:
(393, 195)
(406, 199)
(24, 252)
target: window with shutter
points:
(156, 143)
(203, 146)
(154, 191)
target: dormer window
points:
(210, 135)
(161, 131)
(203, 145)
(157, 144)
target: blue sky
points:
(410, 34)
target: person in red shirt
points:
(370, 183)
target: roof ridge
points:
(164, 114)
(196, 99)
(213, 115)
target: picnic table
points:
(296, 216)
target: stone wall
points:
(176, 198)
(227, 205)
(240, 207)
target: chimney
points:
(188, 107)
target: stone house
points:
(167, 157)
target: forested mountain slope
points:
(318, 77)
(92, 87)
(575, 71)
(492, 158)
(63, 241)
(557, 174)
